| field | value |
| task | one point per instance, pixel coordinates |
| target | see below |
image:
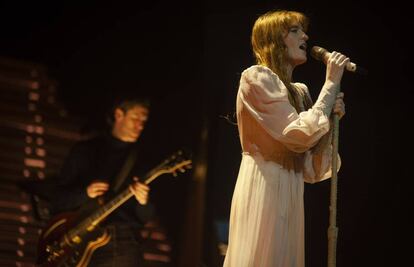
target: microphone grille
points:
(318, 52)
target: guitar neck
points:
(100, 214)
(93, 220)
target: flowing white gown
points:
(281, 150)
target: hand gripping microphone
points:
(322, 54)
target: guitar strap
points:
(126, 168)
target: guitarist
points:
(91, 171)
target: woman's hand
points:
(335, 67)
(339, 107)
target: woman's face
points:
(295, 41)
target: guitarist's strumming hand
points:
(140, 191)
(97, 188)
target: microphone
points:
(322, 54)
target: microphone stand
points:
(333, 230)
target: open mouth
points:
(303, 47)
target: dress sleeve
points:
(318, 162)
(265, 96)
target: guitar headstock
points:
(177, 162)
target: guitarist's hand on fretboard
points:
(97, 188)
(140, 191)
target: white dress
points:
(281, 150)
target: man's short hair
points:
(125, 104)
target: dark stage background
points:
(188, 59)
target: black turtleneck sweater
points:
(100, 158)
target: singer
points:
(285, 142)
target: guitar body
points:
(56, 249)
